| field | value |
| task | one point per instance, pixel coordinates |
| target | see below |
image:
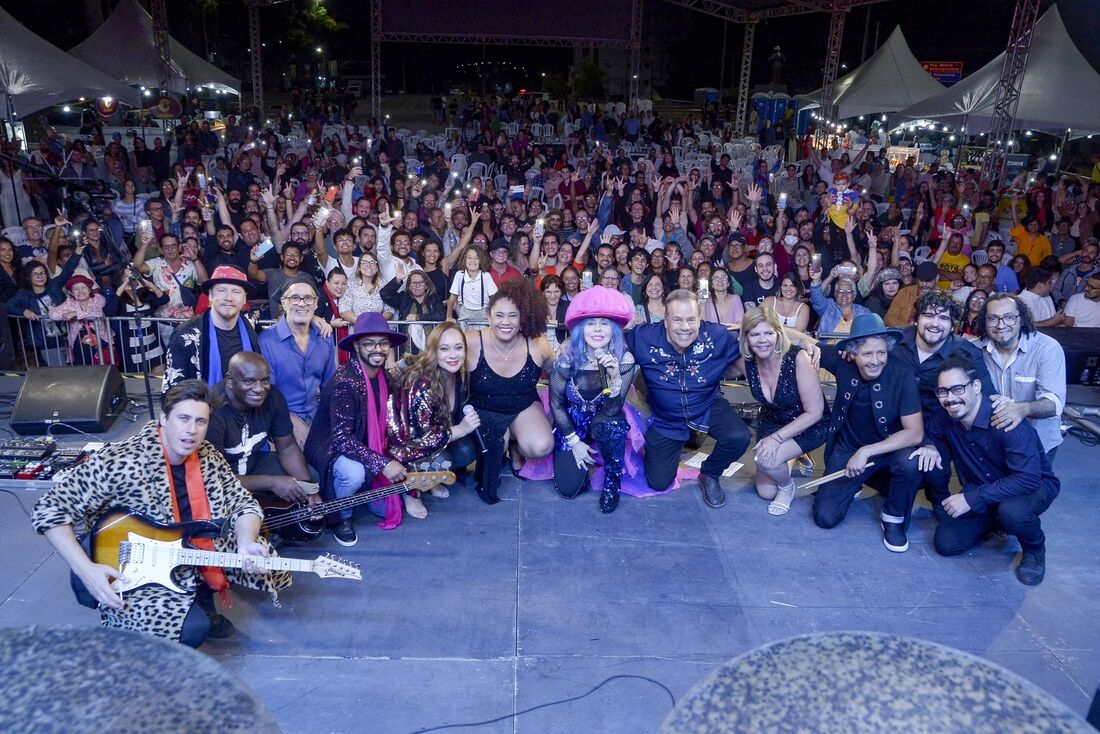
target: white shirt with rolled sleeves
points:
(389, 265)
(1036, 371)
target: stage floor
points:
(478, 612)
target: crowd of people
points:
(419, 297)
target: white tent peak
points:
(1060, 88)
(890, 80)
(37, 74)
(124, 47)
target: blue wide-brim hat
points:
(865, 325)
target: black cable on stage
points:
(505, 717)
(18, 502)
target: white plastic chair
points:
(501, 180)
(537, 192)
(477, 169)
(979, 257)
(922, 254)
(458, 165)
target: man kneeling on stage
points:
(170, 475)
(253, 412)
(876, 419)
(1006, 477)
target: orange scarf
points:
(200, 510)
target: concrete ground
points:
(478, 612)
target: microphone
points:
(599, 353)
(466, 410)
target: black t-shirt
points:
(859, 428)
(229, 343)
(754, 294)
(179, 481)
(243, 437)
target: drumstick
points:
(827, 478)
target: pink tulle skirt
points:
(633, 482)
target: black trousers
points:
(610, 438)
(196, 625)
(1018, 516)
(662, 454)
(833, 500)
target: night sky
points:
(972, 32)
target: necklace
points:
(500, 351)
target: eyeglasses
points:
(845, 292)
(368, 262)
(301, 300)
(376, 346)
(1008, 319)
(956, 390)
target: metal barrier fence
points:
(130, 342)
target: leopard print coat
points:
(132, 474)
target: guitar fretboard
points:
(190, 557)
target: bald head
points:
(248, 381)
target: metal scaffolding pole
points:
(254, 46)
(832, 62)
(376, 60)
(743, 84)
(160, 38)
(1008, 90)
(635, 52)
(722, 63)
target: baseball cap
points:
(613, 230)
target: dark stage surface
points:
(480, 611)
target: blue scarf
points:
(214, 361)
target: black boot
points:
(610, 437)
(609, 498)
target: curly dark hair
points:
(1027, 321)
(939, 301)
(529, 301)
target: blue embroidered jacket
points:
(682, 387)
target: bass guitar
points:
(146, 552)
(296, 522)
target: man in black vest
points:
(876, 419)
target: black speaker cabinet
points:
(89, 398)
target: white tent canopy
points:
(887, 82)
(124, 48)
(1060, 89)
(36, 74)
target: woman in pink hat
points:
(588, 387)
(83, 310)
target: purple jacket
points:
(341, 423)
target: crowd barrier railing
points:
(129, 342)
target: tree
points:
(587, 80)
(306, 25)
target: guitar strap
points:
(200, 510)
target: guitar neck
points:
(194, 557)
(345, 503)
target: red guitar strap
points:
(200, 510)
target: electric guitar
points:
(296, 522)
(146, 552)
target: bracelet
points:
(572, 440)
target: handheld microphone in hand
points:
(466, 410)
(599, 353)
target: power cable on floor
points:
(506, 717)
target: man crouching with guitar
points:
(168, 474)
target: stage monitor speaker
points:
(87, 398)
(1082, 348)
